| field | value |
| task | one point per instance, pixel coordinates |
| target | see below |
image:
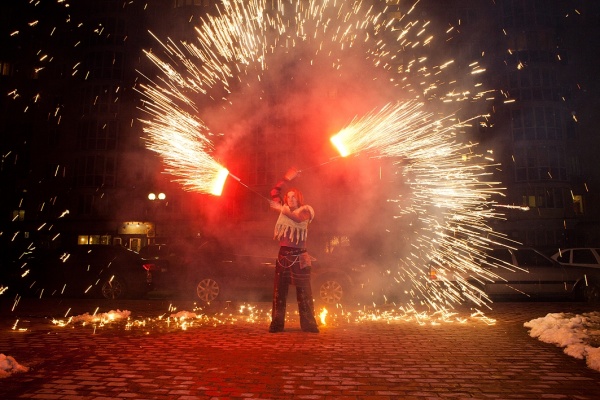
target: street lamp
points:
(154, 196)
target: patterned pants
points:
(288, 272)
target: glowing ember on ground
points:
(254, 314)
(323, 316)
(97, 319)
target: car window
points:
(500, 254)
(212, 247)
(583, 256)
(564, 256)
(159, 250)
(530, 258)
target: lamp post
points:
(155, 198)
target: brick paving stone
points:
(240, 359)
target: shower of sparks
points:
(403, 129)
(182, 142)
(248, 42)
(451, 197)
(246, 313)
(240, 42)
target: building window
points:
(94, 239)
(95, 171)
(542, 163)
(116, 28)
(5, 68)
(101, 99)
(540, 84)
(537, 123)
(183, 3)
(97, 135)
(335, 243)
(578, 204)
(543, 197)
(85, 204)
(18, 215)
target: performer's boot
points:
(306, 309)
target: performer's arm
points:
(278, 188)
(276, 192)
(298, 215)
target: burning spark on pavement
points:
(323, 316)
(94, 319)
(255, 315)
(14, 327)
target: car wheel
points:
(331, 291)
(591, 293)
(208, 290)
(113, 288)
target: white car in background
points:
(580, 257)
(522, 273)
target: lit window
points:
(4, 68)
(18, 215)
(578, 204)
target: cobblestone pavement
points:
(228, 353)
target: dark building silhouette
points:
(543, 64)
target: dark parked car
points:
(167, 258)
(81, 271)
(347, 274)
(212, 271)
(525, 273)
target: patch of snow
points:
(578, 334)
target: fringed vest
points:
(294, 231)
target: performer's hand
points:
(275, 205)
(291, 174)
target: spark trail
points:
(183, 143)
(373, 56)
(450, 196)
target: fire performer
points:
(293, 262)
